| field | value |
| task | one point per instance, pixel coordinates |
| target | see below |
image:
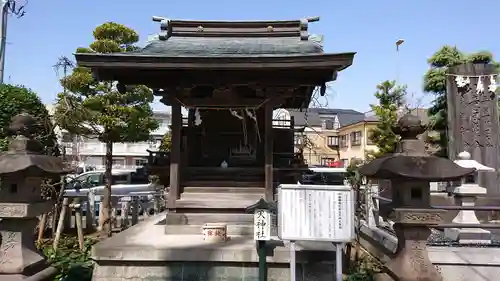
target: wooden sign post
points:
(263, 225)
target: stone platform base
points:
(209, 271)
(145, 253)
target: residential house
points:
(89, 151)
(332, 136)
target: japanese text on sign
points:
(316, 212)
(262, 224)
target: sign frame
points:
(328, 188)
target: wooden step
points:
(213, 204)
(202, 218)
(231, 173)
(222, 189)
(226, 183)
(248, 170)
(222, 196)
(197, 229)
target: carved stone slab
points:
(418, 216)
(473, 121)
(24, 210)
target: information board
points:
(316, 213)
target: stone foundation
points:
(209, 271)
(145, 253)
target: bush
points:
(73, 264)
(364, 269)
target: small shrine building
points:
(230, 76)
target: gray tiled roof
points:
(213, 47)
(346, 117)
(312, 117)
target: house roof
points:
(312, 116)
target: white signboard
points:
(262, 225)
(316, 213)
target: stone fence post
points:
(466, 195)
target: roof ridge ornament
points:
(231, 29)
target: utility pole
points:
(8, 7)
(65, 63)
(398, 43)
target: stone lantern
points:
(465, 195)
(410, 171)
(22, 170)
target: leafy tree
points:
(435, 83)
(18, 99)
(97, 110)
(390, 99)
(166, 142)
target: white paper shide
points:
(262, 224)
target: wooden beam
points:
(175, 153)
(221, 102)
(184, 79)
(309, 62)
(268, 151)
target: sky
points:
(54, 28)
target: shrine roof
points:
(233, 47)
(221, 42)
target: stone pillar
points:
(473, 119)
(413, 217)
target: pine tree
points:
(98, 110)
(391, 98)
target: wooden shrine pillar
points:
(268, 152)
(175, 155)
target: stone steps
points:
(202, 218)
(241, 230)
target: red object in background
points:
(334, 164)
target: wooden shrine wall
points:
(210, 143)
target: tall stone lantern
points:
(22, 169)
(410, 171)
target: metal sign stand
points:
(293, 261)
(338, 261)
(328, 213)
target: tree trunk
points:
(105, 215)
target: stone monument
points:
(410, 171)
(473, 118)
(22, 170)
